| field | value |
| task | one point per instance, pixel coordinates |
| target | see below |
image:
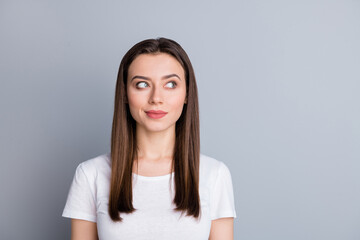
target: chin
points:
(157, 127)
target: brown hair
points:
(186, 157)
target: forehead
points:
(155, 64)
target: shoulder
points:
(92, 167)
(217, 188)
(210, 168)
(90, 180)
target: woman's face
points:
(156, 91)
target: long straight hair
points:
(185, 163)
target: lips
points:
(155, 114)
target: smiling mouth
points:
(155, 114)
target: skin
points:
(83, 230)
(222, 228)
(155, 82)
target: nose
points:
(156, 96)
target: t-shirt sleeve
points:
(80, 202)
(222, 201)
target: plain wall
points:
(279, 105)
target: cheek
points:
(135, 103)
(177, 101)
(135, 99)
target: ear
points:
(185, 102)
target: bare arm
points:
(222, 229)
(83, 230)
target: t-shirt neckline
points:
(153, 177)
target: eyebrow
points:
(163, 78)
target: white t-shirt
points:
(152, 197)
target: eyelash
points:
(175, 84)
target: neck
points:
(155, 146)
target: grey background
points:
(279, 100)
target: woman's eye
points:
(171, 84)
(141, 84)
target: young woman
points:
(154, 184)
